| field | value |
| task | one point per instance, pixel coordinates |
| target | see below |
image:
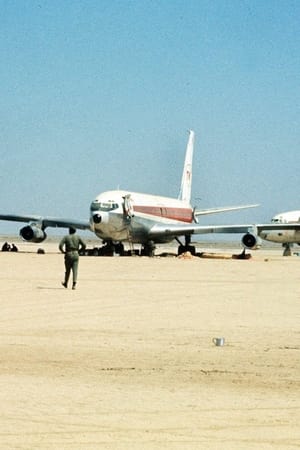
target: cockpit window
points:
(103, 206)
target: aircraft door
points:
(128, 206)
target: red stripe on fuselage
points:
(180, 214)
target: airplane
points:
(121, 216)
(286, 237)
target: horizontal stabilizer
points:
(205, 212)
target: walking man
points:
(71, 245)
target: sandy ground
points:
(127, 360)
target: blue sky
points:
(97, 95)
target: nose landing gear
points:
(109, 249)
(148, 249)
(287, 249)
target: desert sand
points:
(127, 360)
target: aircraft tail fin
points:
(186, 180)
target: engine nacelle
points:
(250, 241)
(33, 233)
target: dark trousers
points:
(71, 263)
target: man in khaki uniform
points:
(70, 245)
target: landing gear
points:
(109, 249)
(148, 249)
(119, 249)
(187, 247)
(287, 249)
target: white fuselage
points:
(129, 216)
(283, 236)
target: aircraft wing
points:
(205, 212)
(161, 230)
(173, 230)
(45, 221)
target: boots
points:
(65, 285)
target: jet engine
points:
(250, 241)
(32, 233)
